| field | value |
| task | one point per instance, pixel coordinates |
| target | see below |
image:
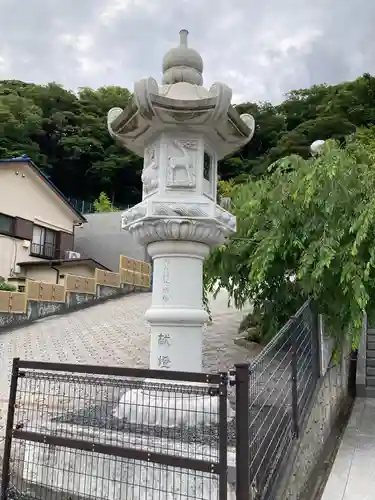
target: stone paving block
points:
(112, 333)
(352, 475)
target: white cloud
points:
(261, 49)
(81, 42)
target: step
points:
(370, 354)
(370, 362)
(371, 344)
(370, 392)
(370, 381)
(371, 332)
(370, 371)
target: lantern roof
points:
(181, 103)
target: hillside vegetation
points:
(66, 135)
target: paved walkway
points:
(353, 473)
(112, 333)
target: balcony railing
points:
(45, 250)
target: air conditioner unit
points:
(17, 269)
(72, 255)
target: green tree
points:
(103, 204)
(20, 120)
(306, 230)
(65, 133)
(226, 188)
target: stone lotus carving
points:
(208, 232)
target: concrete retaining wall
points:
(361, 361)
(328, 401)
(41, 309)
(102, 239)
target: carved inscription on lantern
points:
(181, 168)
(166, 281)
(164, 339)
(164, 362)
(164, 342)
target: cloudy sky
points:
(261, 48)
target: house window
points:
(43, 243)
(6, 224)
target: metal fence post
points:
(315, 342)
(9, 430)
(223, 436)
(242, 432)
(295, 409)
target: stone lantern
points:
(182, 130)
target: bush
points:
(305, 231)
(7, 287)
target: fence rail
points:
(13, 302)
(137, 274)
(80, 284)
(134, 272)
(67, 436)
(37, 290)
(276, 388)
(107, 278)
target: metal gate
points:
(67, 439)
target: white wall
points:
(48, 274)
(11, 252)
(24, 194)
(103, 239)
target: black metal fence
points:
(89, 432)
(85, 432)
(272, 399)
